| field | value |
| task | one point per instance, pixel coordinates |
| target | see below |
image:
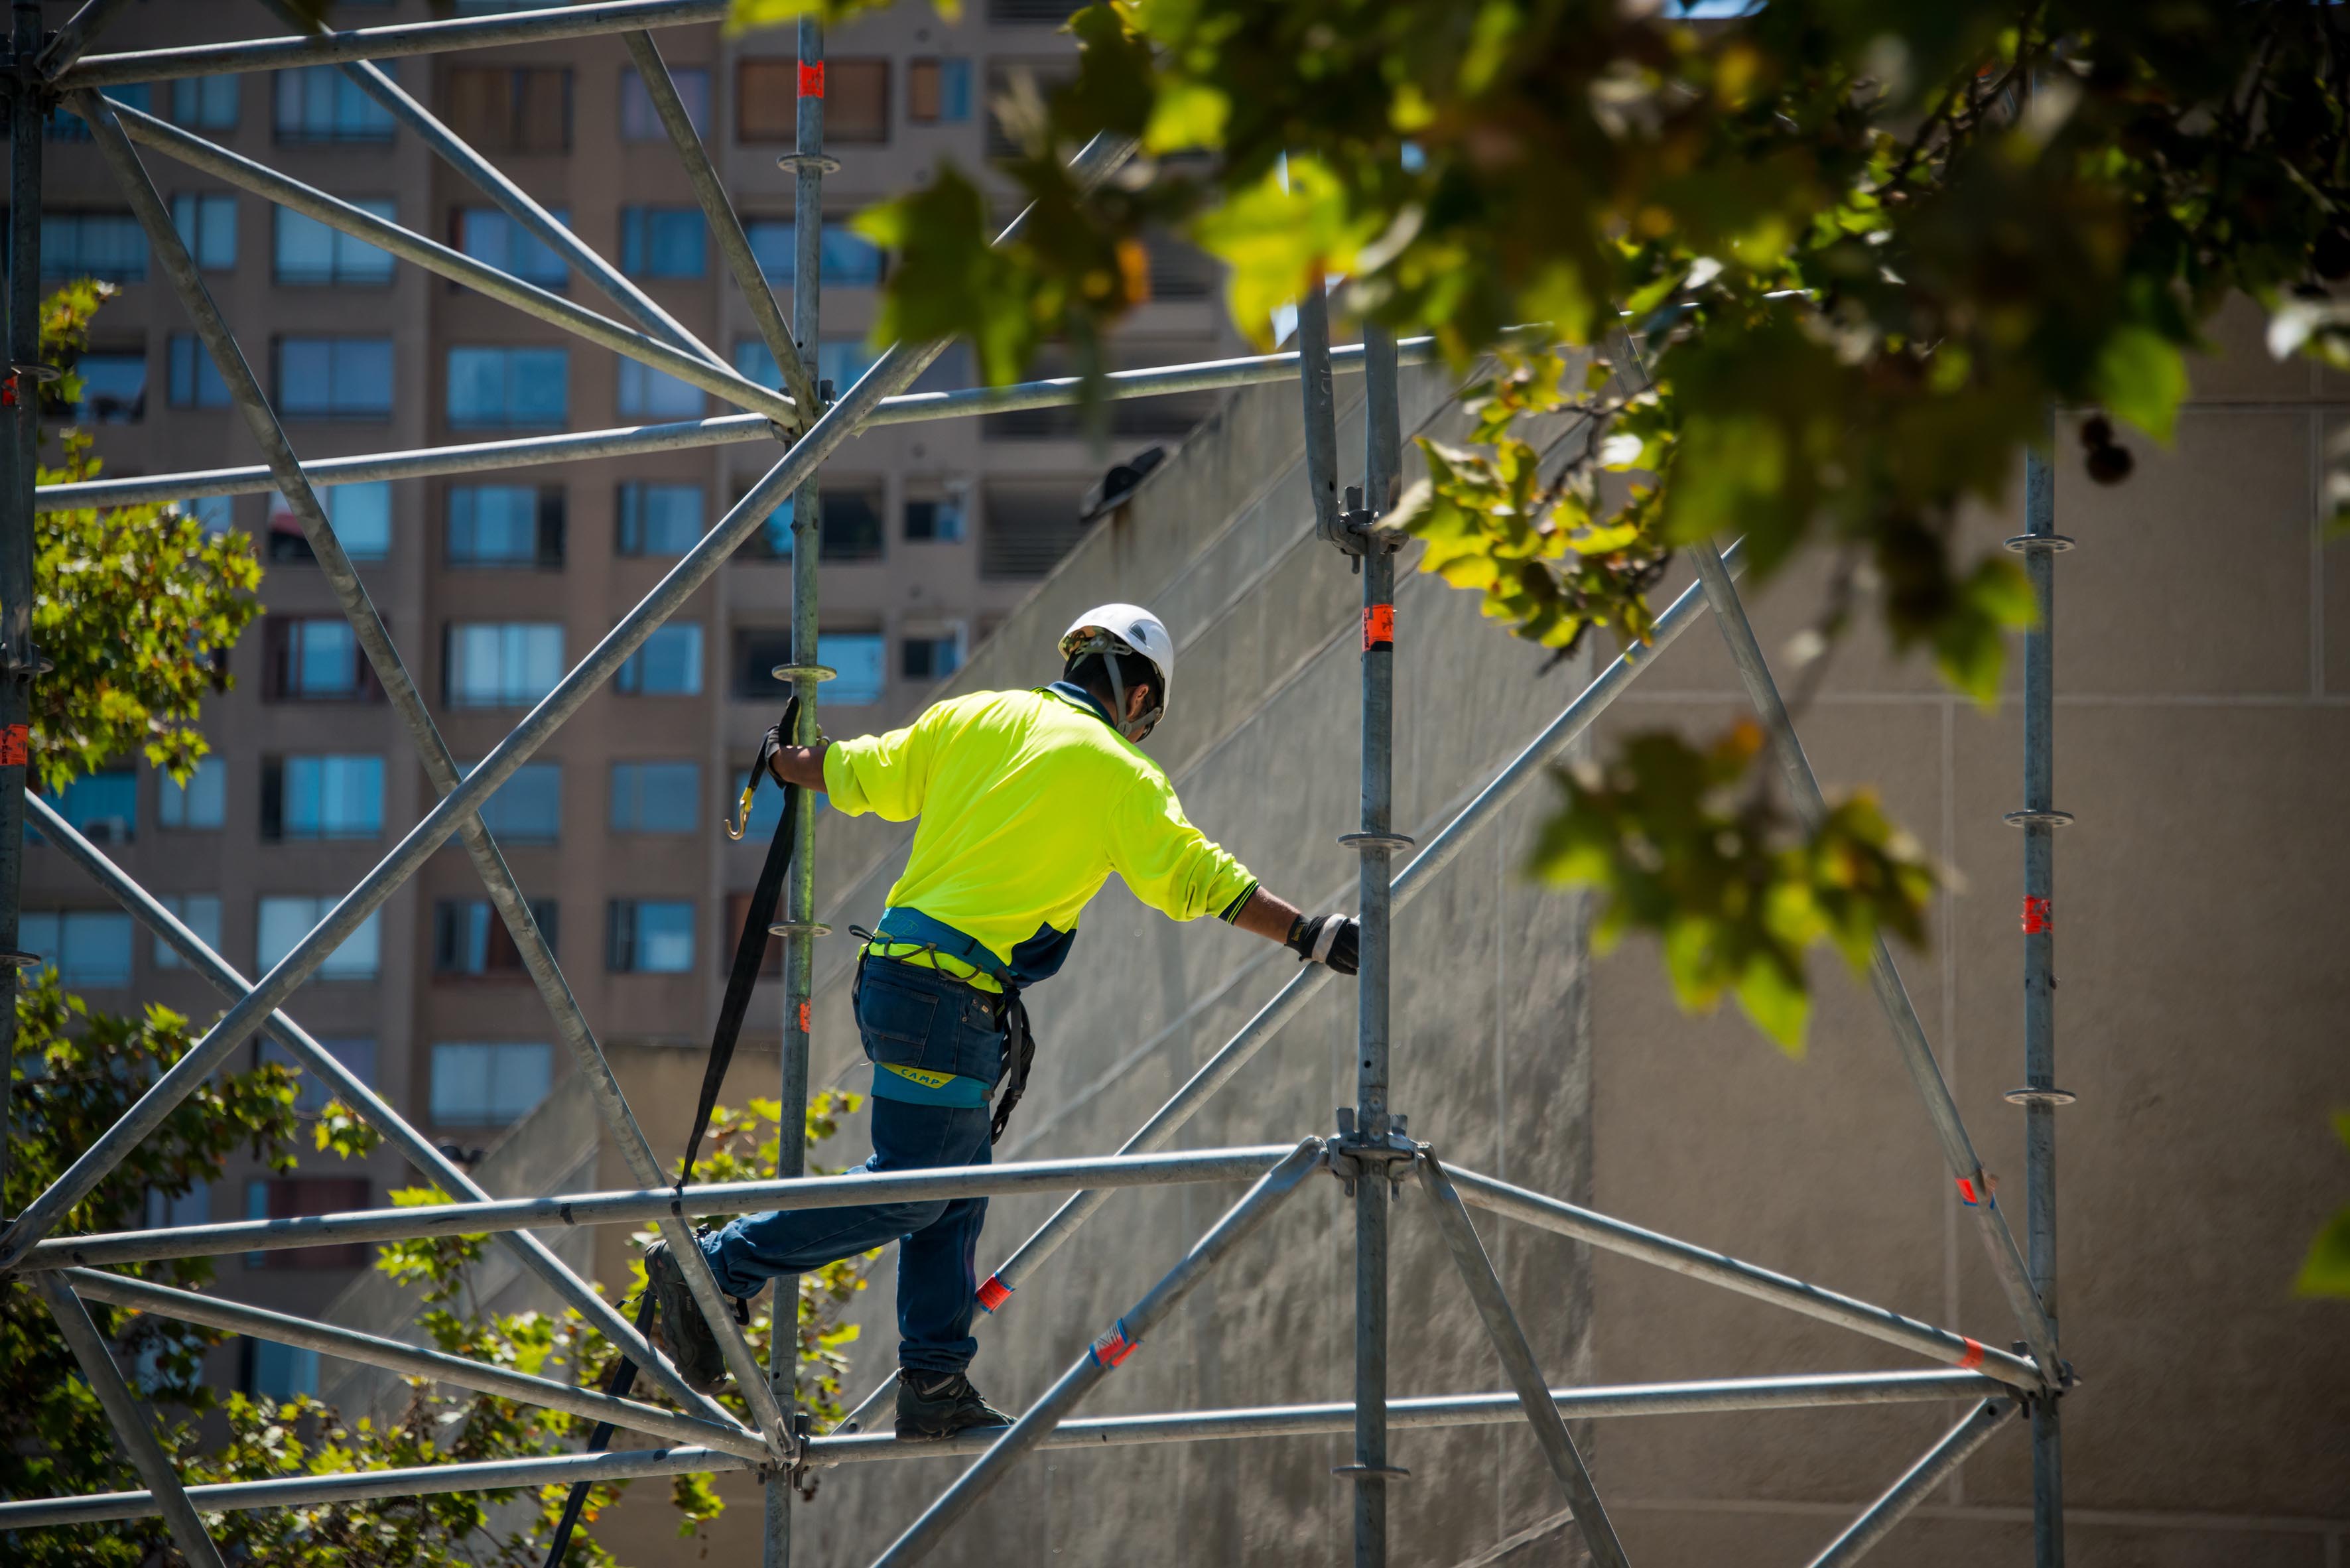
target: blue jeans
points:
(937, 1242)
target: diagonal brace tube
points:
(1918, 1484)
(1908, 1032)
(448, 262)
(81, 30)
(1613, 1235)
(130, 1423)
(408, 1360)
(1103, 1356)
(1220, 1069)
(1518, 1360)
(335, 564)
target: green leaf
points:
(2326, 1271)
(2142, 378)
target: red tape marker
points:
(1967, 1193)
(15, 746)
(804, 1015)
(1379, 626)
(812, 80)
(993, 1293)
(1974, 1355)
(1112, 1348)
(2037, 916)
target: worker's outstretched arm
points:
(801, 765)
(1334, 939)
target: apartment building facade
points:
(493, 584)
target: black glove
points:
(1334, 939)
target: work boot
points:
(679, 1326)
(935, 1406)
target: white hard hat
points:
(1126, 628)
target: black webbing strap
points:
(750, 952)
(1019, 1055)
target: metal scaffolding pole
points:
(409, 1360)
(387, 42)
(1917, 1485)
(19, 659)
(563, 1211)
(896, 367)
(2040, 544)
(376, 82)
(1220, 1069)
(1884, 979)
(1509, 1337)
(807, 163)
(131, 1424)
(906, 408)
(1103, 1356)
(81, 30)
(447, 262)
(725, 227)
(375, 640)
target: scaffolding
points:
(1368, 1150)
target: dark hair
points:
(1086, 669)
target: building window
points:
(270, 1370)
(207, 227)
(658, 519)
(667, 664)
(849, 526)
(656, 797)
(193, 380)
(311, 1091)
(528, 807)
(334, 377)
(937, 518)
(938, 90)
(88, 948)
(1025, 532)
(103, 807)
(767, 99)
(329, 796)
(304, 251)
(639, 121)
(846, 257)
(216, 514)
(663, 242)
(757, 653)
(205, 103)
(315, 659)
(493, 238)
(841, 362)
(490, 1085)
(319, 103)
(932, 656)
(649, 936)
(469, 936)
(501, 664)
(496, 387)
(505, 526)
(62, 124)
(289, 1198)
(512, 108)
(855, 100)
(113, 387)
(170, 1211)
(646, 393)
(109, 246)
(361, 516)
(285, 919)
(861, 657)
(201, 803)
(200, 913)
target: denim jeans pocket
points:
(897, 1023)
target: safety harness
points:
(911, 927)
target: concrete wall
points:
(2200, 730)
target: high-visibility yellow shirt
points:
(1028, 801)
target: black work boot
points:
(679, 1326)
(934, 1405)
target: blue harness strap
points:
(912, 926)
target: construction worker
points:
(1028, 801)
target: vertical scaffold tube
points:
(806, 163)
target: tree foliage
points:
(135, 607)
(1811, 276)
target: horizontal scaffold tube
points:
(623, 1207)
(1187, 1427)
(906, 408)
(1718, 1268)
(385, 43)
(408, 1360)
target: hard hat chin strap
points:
(1107, 648)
